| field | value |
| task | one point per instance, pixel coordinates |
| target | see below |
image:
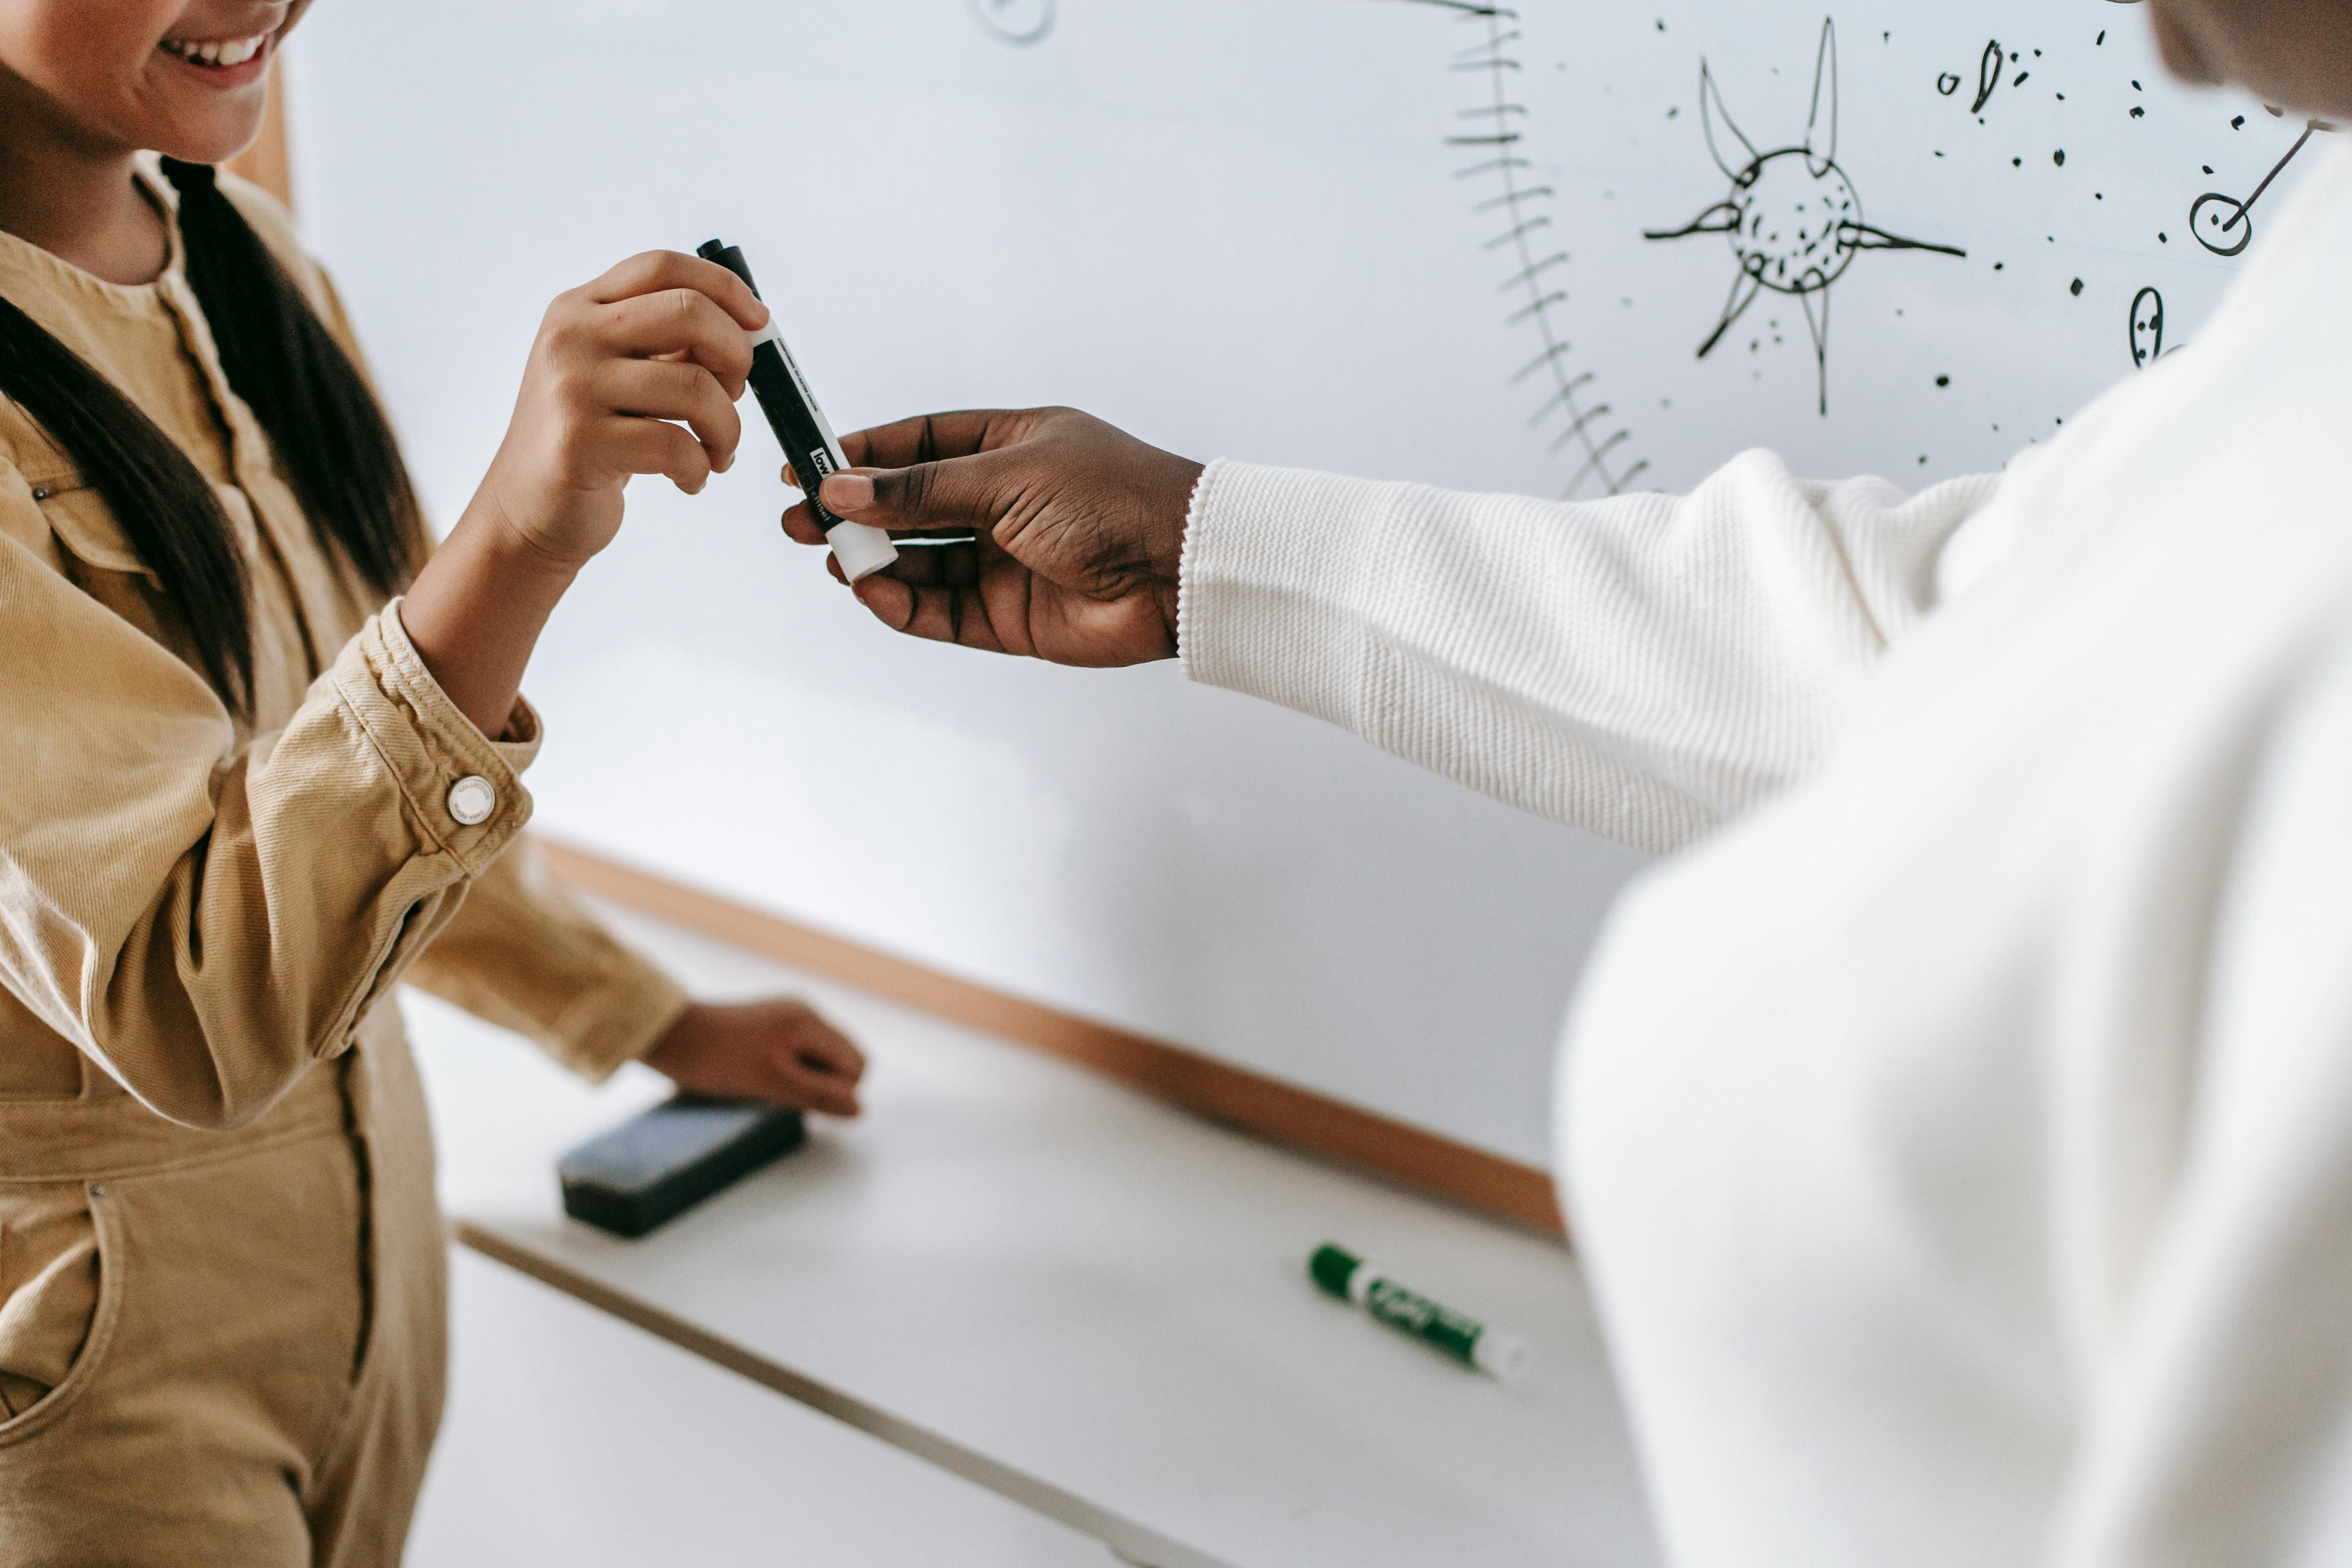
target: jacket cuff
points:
(616, 1020)
(429, 747)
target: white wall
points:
(1237, 227)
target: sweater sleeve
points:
(1643, 668)
(206, 918)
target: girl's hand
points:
(778, 1050)
(660, 338)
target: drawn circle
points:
(2216, 218)
(1798, 222)
(1014, 21)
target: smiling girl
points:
(259, 759)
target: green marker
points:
(1350, 1278)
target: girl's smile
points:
(223, 61)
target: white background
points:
(1234, 226)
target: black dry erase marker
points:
(802, 430)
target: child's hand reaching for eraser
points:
(781, 1051)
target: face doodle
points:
(1793, 219)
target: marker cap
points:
(1332, 1267)
(1499, 1355)
(861, 550)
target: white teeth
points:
(231, 52)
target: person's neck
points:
(78, 201)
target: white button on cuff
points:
(472, 799)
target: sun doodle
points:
(1793, 218)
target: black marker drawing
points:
(1988, 71)
(1793, 219)
(2147, 328)
(1014, 21)
(2224, 225)
(1494, 134)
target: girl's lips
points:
(222, 77)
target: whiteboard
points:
(1403, 238)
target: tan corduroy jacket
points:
(194, 910)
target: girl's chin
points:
(214, 136)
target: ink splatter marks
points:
(1492, 141)
(2147, 328)
(1015, 22)
(1793, 219)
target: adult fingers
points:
(953, 564)
(954, 495)
(929, 437)
(651, 271)
(800, 525)
(957, 615)
(673, 389)
(678, 322)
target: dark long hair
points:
(329, 436)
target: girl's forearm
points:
(475, 612)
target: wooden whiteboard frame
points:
(1266, 1106)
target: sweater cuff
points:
(429, 746)
(1271, 586)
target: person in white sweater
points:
(1956, 1127)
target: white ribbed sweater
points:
(1958, 1130)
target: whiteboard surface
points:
(1401, 238)
(1089, 1302)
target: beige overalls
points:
(221, 1265)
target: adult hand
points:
(778, 1050)
(1078, 527)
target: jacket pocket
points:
(60, 1293)
(85, 527)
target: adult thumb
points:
(924, 497)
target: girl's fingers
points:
(673, 389)
(817, 1085)
(654, 270)
(651, 446)
(678, 321)
(822, 1046)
